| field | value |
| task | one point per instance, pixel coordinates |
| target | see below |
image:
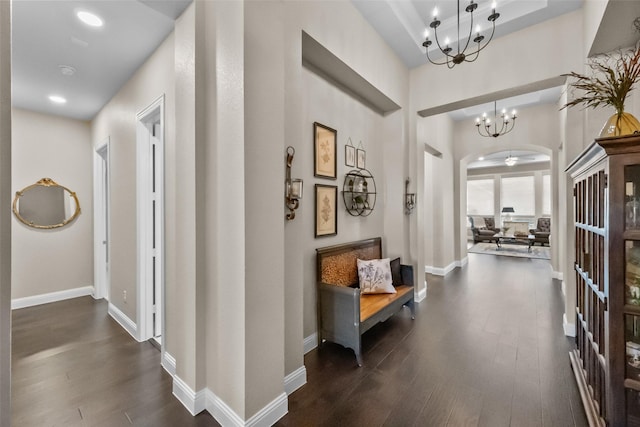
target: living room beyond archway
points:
(509, 204)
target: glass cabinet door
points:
(632, 339)
(632, 368)
(632, 197)
(632, 273)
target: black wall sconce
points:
(409, 198)
(292, 187)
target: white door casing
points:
(101, 201)
(150, 239)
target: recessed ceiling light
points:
(481, 158)
(89, 18)
(57, 99)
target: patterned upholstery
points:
(483, 233)
(489, 222)
(544, 224)
(542, 231)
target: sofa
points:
(483, 229)
(542, 231)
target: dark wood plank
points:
(483, 350)
(74, 366)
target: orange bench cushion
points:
(370, 304)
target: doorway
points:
(101, 220)
(150, 221)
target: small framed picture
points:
(326, 210)
(350, 155)
(361, 159)
(324, 158)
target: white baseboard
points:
(51, 297)
(437, 271)
(169, 363)
(295, 380)
(124, 321)
(422, 294)
(221, 411)
(310, 342)
(557, 275)
(569, 328)
(266, 417)
(271, 413)
(205, 399)
(194, 402)
(461, 263)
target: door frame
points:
(101, 219)
(144, 120)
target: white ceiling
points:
(402, 23)
(497, 159)
(547, 96)
(47, 34)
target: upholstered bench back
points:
(337, 265)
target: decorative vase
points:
(620, 124)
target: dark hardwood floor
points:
(486, 348)
(75, 366)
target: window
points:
(480, 197)
(519, 192)
(546, 194)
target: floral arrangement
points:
(611, 82)
(613, 77)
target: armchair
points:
(542, 231)
(483, 229)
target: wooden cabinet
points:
(606, 363)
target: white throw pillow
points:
(375, 276)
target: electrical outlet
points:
(124, 296)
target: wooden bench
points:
(343, 313)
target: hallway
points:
(486, 348)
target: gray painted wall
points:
(117, 122)
(340, 28)
(60, 149)
(5, 213)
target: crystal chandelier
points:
(451, 59)
(507, 123)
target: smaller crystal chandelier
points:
(451, 59)
(510, 161)
(507, 125)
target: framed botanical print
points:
(361, 159)
(324, 159)
(326, 210)
(349, 154)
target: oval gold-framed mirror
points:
(46, 205)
